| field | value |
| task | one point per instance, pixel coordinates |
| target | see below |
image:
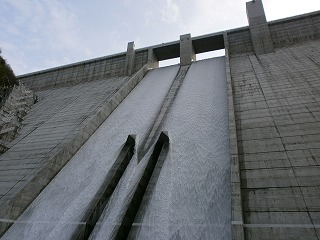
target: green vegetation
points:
(7, 80)
(7, 77)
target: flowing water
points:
(191, 197)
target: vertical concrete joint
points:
(259, 29)
(187, 53)
(153, 62)
(130, 57)
(237, 227)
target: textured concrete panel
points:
(297, 29)
(276, 102)
(91, 70)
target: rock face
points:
(12, 112)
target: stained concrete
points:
(276, 102)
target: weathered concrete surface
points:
(296, 29)
(277, 113)
(54, 130)
(86, 71)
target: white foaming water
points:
(56, 212)
(191, 199)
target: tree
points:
(7, 77)
(7, 80)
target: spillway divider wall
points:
(154, 129)
(122, 231)
(237, 227)
(110, 183)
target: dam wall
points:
(273, 99)
(90, 70)
(276, 107)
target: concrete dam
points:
(222, 148)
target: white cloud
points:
(147, 18)
(213, 16)
(276, 9)
(46, 29)
(170, 12)
(9, 52)
(62, 26)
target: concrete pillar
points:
(259, 29)
(187, 53)
(152, 59)
(129, 65)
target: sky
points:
(41, 34)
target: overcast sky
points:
(40, 34)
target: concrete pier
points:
(130, 59)
(187, 53)
(259, 29)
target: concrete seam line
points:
(283, 225)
